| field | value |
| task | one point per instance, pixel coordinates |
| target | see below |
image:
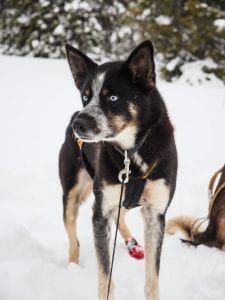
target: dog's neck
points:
(133, 144)
(132, 138)
(127, 138)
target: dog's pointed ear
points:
(79, 63)
(141, 63)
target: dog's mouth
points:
(86, 138)
(91, 130)
(124, 139)
(93, 136)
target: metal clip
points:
(126, 171)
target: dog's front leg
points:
(102, 227)
(155, 201)
(105, 209)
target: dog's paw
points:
(135, 250)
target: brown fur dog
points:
(214, 235)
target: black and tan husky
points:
(122, 110)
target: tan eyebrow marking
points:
(87, 92)
(105, 92)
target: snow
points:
(163, 20)
(192, 73)
(23, 19)
(37, 99)
(44, 3)
(59, 30)
(173, 63)
(35, 43)
(77, 4)
(220, 23)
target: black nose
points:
(83, 124)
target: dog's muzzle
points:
(85, 126)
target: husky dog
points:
(122, 111)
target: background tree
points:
(182, 30)
(41, 28)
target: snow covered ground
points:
(37, 98)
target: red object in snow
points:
(135, 250)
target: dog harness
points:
(134, 189)
(135, 185)
(213, 195)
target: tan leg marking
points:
(111, 197)
(151, 275)
(76, 195)
(103, 285)
(111, 194)
(70, 224)
(124, 230)
(156, 193)
(88, 188)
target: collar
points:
(128, 153)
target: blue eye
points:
(113, 98)
(85, 98)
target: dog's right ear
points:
(79, 63)
(141, 63)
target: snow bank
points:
(37, 99)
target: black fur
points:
(70, 162)
(161, 219)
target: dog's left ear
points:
(141, 63)
(80, 64)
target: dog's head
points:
(114, 95)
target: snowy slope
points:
(37, 98)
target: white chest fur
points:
(138, 160)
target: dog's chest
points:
(133, 191)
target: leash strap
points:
(115, 239)
(123, 177)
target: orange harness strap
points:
(150, 170)
(80, 143)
